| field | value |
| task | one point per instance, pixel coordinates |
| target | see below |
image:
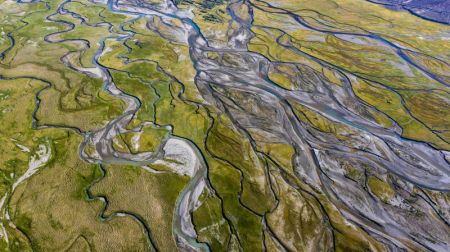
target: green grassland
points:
(377, 71)
(54, 200)
(124, 187)
(53, 211)
(256, 200)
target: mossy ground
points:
(256, 192)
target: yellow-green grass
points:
(150, 196)
(172, 57)
(98, 107)
(210, 224)
(142, 91)
(432, 108)
(224, 142)
(70, 92)
(298, 221)
(214, 22)
(354, 16)
(52, 210)
(390, 103)
(17, 137)
(147, 140)
(42, 206)
(381, 189)
(93, 35)
(369, 58)
(248, 227)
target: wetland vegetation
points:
(223, 125)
